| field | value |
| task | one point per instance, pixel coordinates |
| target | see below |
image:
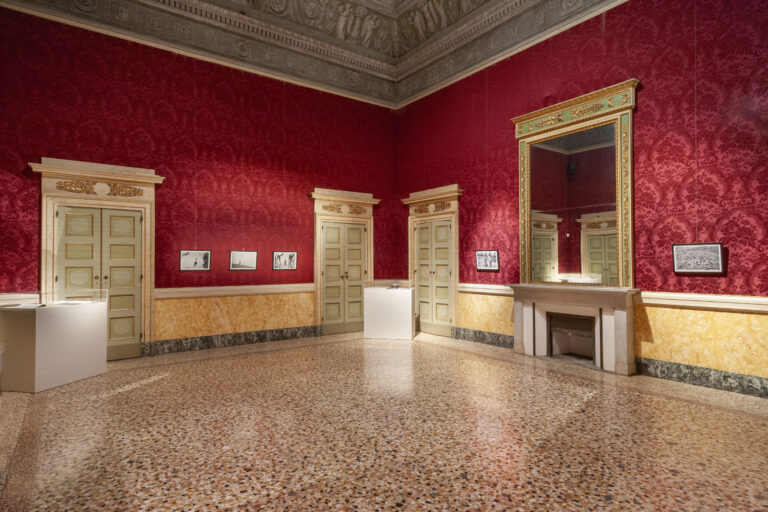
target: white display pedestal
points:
(52, 345)
(389, 313)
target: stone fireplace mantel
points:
(611, 309)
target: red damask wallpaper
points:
(701, 136)
(239, 152)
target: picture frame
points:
(698, 258)
(284, 260)
(487, 261)
(194, 260)
(243, 260)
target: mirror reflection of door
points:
(433, 276)
(573, 177)
(544, 246)
(343, 276)
(101, 249)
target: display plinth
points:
(48, 346)
(389, 313)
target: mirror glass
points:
(573, 207)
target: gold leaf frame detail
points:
(612, 105)
(356, 209)
(77, 187)
(120, 189)
(334, 208)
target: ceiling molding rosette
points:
(387, 52)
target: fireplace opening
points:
(572, 337)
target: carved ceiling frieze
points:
(388, 52)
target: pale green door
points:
(433, 277)
(602, 257)
(96, 249)
(344, 273)
(542, 258)
(121, 276)
(77, 260)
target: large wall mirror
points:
(576, 190)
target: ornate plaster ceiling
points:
(387, 52)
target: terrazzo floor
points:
(342, 423)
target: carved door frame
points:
(345, 207)
(93, 185)
(440, 203)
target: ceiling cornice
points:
(474, 34)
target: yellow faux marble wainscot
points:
(729, 341)
(491, 313)
(202, 316)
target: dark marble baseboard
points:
(228, 340)
(707, 377)
(489, 338)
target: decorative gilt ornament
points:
(355, 209)
(77, 187)
(335, 208)
(422, 208)
(579, 112)
(118, 189)
(442, 205)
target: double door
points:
(543, 257)
(602, 257)
(433, 277)
(101, 249)
(344, 273)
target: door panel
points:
(120, 243)
(333, 282)
(602, 257)
(344, 275)
(354, 275)
(77, 262)
(433, 276)
(542, 258)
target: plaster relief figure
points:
(437, 5)
(369, 25)
(417, 20)
(397, 39)
(341, 26)
(360, 13)
(464, 7)
(425, 9)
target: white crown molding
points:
(736, 303)
(232, 291)
(486, 289)
(9, 299)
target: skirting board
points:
(696, 375)
(707, 377)
(489, 338)
(157, 348)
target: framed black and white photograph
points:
(487, 260)
(284, 260)
(698, 258)
(194, 260)
(242, 260)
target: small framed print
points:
(194, 260)
(487, 261)
(284, 260)
(698, 258)
(242, 260)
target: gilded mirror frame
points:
(612, 105)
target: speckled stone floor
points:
(342, 423)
